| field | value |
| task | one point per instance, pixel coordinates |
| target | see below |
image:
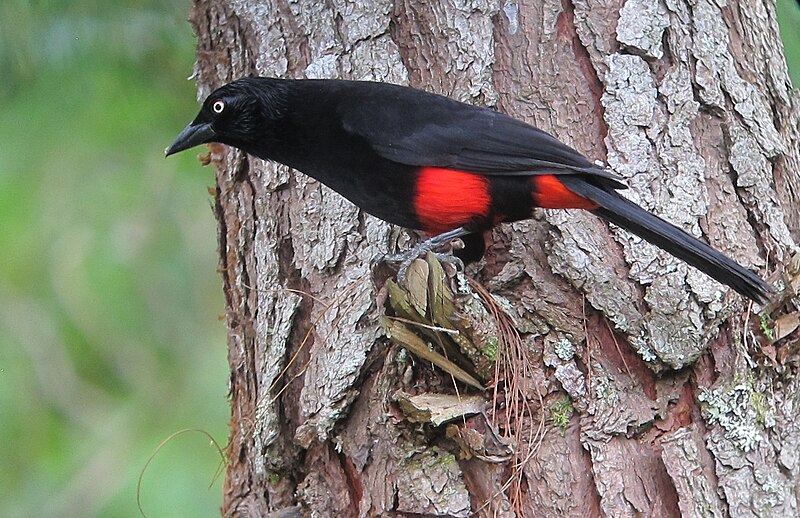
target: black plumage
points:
(424, 161)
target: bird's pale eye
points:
(218, 106)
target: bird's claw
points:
(420, 249)
(452, 260)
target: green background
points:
(110, 303)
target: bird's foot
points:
(421, 249)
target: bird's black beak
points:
(192, 135)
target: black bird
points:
(426, 162)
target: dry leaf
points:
(438, 408)
(786, 325)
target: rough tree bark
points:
(646, 388)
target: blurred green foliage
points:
(789, 20)
(109, 298)
(110, 338)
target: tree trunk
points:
(621, 382)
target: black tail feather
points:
(631, 217)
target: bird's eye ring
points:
(218, 106)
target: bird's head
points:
(236, 114)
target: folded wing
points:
(423, 129)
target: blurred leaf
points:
(109, 297)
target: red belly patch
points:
(550, 193)
(447, 199)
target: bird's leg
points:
(406, 258)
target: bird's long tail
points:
(631, 217)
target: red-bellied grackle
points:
(426, 162)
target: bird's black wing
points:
(423, 129)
